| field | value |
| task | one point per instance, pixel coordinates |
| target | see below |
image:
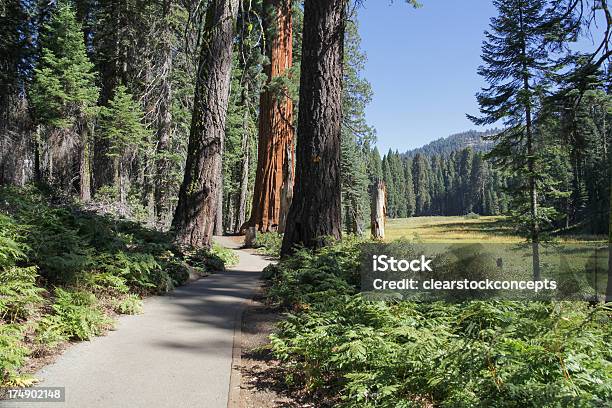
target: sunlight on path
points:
(178, 353)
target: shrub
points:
(50, 332)
(213, 259)
(130, 304)
(19, 294)
(226, 255)
(471, 216)
(12, 354)
(177, 270)
(269, 243)
(401, 353)
(76, 315)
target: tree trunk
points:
(84, 165)
(199, 193)
(378, 210)
(287, 188)
(121, 184)
(315, 212)
(164, 121)
(609, 286)
(533, 193)
(244, 179)
(218, 230)
(275, 121)
(535, 233)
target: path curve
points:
(178, 353)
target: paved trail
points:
(178, 353)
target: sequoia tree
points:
(315, 212)
(194, 217)
(274, 175)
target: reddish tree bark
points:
(275, 148)
(315, 211)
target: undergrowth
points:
(338, 347)
(64, 271)
(268, 243)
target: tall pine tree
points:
(64, 97)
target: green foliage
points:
(308, 275)
(121, 124)
(19, 294)
(63, 91)
(400, 353)
(50, 332)
(226, 255)
(130, 304)
(76, 315)
(78, 255)
(356, 135)
(177, 269)
(12, 354)
(268, 243)
(213, 259)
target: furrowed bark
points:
(287, 188)
(244, 179)
(275, 124)
(218, 229)
(84, 165)
(164, 119)
(194, 217)
(316, 212)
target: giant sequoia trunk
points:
(275, 146)
(315, 212)
(194, 217)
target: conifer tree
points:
(410, 198)
(421, 175)
(199, 194)
(516, 62)
(356, 134)
(375, 169)
(121, 126)
(64, 97)
(316, 209)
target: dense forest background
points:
(97, 97)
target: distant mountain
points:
(445, 145)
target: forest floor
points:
(177, 353)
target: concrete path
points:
(178, 353)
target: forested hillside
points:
(459, 183)
(446, 145)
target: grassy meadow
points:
(464, 229)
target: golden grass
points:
(484, 229)
(452, 229)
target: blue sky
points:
(422, 66)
